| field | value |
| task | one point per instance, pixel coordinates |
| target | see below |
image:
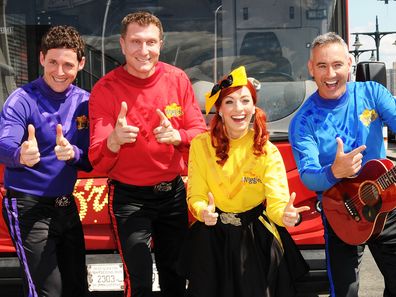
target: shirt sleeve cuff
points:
(196, 210)
(106, 152)
(77, 156)
(330, 176)
(17, 158)
(183, 136)
(184, 143)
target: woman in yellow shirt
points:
(238, 191)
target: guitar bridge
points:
(350, 207)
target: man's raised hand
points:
(30, 154)
(64, 150)
(346, 165)
(122, 133)
(165, 133)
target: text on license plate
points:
(105, 277)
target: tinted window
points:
(206, 38)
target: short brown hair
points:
(142, 18)
(63, 37)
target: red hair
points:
(218, 136)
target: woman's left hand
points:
(291, 214)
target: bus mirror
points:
(374, 71)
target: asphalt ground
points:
(371, 281)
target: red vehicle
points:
(206, 38)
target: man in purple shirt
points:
(44, 139)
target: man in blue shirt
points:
(335, 132)
(44, 139)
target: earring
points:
(221, 116)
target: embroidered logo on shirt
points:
(173, 110)
(368, 116)
(82, 122)
(251, 179)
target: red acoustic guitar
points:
(357, 207)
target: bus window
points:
(206, 38)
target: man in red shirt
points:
(143, 116)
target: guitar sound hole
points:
(370, 212)
(369, 194)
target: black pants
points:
(140, 214)
(49, 242)
(344, 260)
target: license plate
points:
(110, 277)
(105, 277)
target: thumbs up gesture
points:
(208, 214)
(346, 165)
(64, 150)
(30, 154)
(291, 215)
(122, 133)
(165, 133)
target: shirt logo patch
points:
(173, 110)
(82, 122)
(251, 179)
(368, 116)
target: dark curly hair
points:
(63, 37)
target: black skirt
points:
(240, 257)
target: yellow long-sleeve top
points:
(242, 183)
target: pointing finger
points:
(163, 119)
(302, 208)
(358, 150)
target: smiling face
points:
(237, 110)
(60, 67)
(330, 66)
(141, 46)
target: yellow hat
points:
(236, 78)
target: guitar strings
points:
(368, 190)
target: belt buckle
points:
(230, 218)
(163, 187)
(62, 201)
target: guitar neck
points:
(387, 179)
